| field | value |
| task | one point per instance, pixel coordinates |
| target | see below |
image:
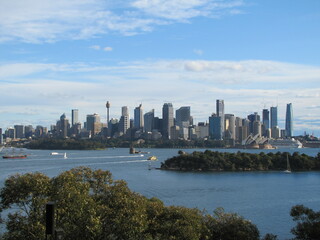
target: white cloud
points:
(95, 47)
(53, 20)
(108, 49)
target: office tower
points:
(19, 130)
(257, 128)
(265, 118)
(93, 123)
(265, 122)
(28, 131)
(215, 129)
(138, 117)
(63, 126)
(183, 117)
(253, 118)
(273, 117)
(289, 116)
(230, 126)
(124, 123)
(74, 116)
(149, 121)
(167, 119)
(220, 113)
(238, 123)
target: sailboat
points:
(65, 156)
(288, 170)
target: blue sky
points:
(57, 55)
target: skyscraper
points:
(253, 118)
(289, 116)
(124, 122)
(220, 113)
(74, 116)
(215, 127)
(168, 120)
(93, 123)
(274, 117)
(138, 117)
(265, 122)
(149, 121)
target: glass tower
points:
(289, 124)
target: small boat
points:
(153, 158)
(65, 156)
(288, 170)
(20, 156)
(13, 155)
(54, 153)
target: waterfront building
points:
(149, 121)
(257, 128)
(220, 113)
(74, 116)
(275, 132)
(138, 117)
(19, 131)
(167, 120)
(289, 124)
(215, 129)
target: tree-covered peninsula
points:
(65, 144)
(240, 161)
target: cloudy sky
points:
(57, 55)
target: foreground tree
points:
(308, 223)
(91, 205)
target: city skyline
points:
(59, 55)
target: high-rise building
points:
(93, 123)
(183, 116)
(167, 119)
(265, 122)
(273, 117)
(124, 123)
(215, 129)
(253, 118)
(289, 123)
(149, 121)
(19, 130)
(230, 126)
(74, 116)
(220, 113)
(138, 117)
(63, 126)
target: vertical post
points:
(50, 223)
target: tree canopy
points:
(91, 205)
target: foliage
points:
(229, 226)
(241, 161)
(91, 205)
(308, 223)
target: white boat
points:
(65, 156)
(285, 143)
(288, 170)
(54, 153)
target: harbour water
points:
(265, 198)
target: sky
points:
(58, 55)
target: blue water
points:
(265, 198)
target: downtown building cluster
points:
(220, 126)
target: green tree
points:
(230, 226)
(308, 223)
